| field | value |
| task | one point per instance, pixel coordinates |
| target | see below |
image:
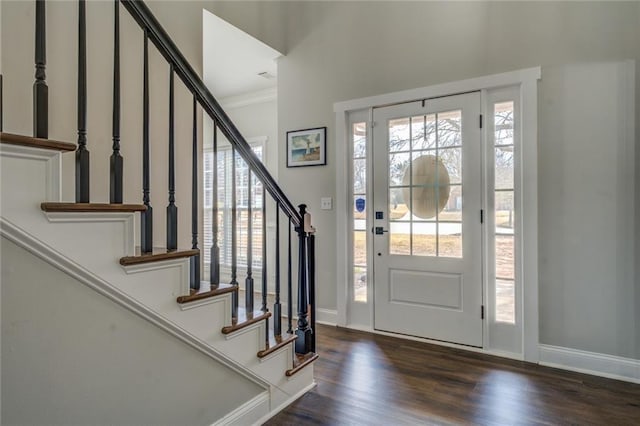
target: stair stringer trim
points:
(45, 252)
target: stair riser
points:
(205, 321)
(36, 172)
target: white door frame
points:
(526, 80)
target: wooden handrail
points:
(167, 48)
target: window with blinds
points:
(225, 161)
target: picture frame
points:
(307, 147)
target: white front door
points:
(427, 219)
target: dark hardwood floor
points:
(367, 379)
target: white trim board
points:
(285, 404)
(510, 78)
(247, 412)
(326, 316)
(610, 366)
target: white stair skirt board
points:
(248, 413)
(67, 241)
(285, 403)
(613, 367)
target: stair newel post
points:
(214, 266)
(289, 283)
(40, 89)
(277, 308)
(303, 332)
(82, 154)
(311, 262)
(116, 161)
(195, 260)
(172, 210)
(248, 284)
(146, 221)
(234, 236)
(264, 307)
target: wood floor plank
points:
(368, 379)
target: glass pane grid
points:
(425, 185)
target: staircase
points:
(108, 246)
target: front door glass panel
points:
(425, 185)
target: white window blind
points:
(224, 186)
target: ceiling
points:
(233, 60)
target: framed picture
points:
(307, 147)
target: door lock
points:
(380, 230)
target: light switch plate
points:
(326, 203)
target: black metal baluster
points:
(248, 297)
(264, 251)
(82, 154)
(303, 342)
(264, 259)
(116, 161)
(172, 210)
(146, 220)
(277, 308)
(40, 89)
(234, 240)
(195, 260)
(214, 266)
(289, 285)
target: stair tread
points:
(301, 361)
(276, 342)
(91, 207)
(245, 319)
(157, 255)
(220, 289)
(14, 139)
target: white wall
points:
(586, 173)
(70, 356)
(344, 50)
(256, 120)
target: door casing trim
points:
(527, 82)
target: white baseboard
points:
(610, 366)
(326, 316)
(248, 412)
(285, 404)
(323, 316)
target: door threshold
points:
(502, 354)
